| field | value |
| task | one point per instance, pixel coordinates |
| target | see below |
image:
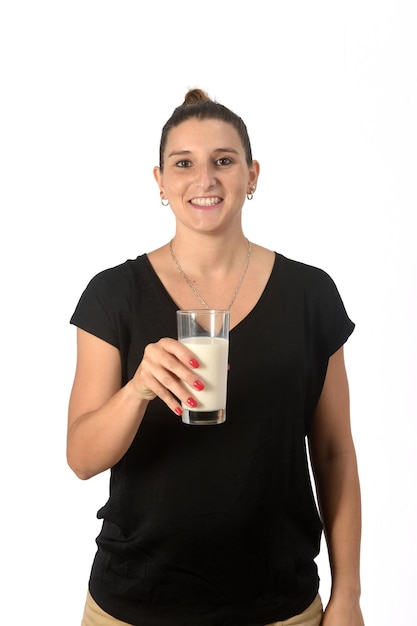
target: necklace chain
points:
(190, 284)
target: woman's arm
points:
(103, 416)
(334, 466)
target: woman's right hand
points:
(103, 416)
(165, 367)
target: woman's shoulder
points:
(121, 272)
(287, 265)
(300, 270)
(111, 290)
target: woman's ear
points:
(254, 172)
(158, 176)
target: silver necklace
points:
(190, 284)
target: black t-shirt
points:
(217, 525)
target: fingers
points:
(167, 368)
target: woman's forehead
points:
(194, 133)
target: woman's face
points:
(205, 176)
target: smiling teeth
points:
(206, 201)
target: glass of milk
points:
(206, 333)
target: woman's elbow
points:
(80, 469)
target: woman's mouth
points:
(207, 202)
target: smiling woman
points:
(215, 525)
(205, 170)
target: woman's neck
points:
(206, 254)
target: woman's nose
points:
(206, 176)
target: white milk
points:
(212, 354)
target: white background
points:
(329, 93)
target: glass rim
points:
(202, 311)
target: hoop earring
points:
(250, 193)
(164, 201)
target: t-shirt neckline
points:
(243, 321)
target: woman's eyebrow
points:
(179, 153)
(226, 150)
(187, 152)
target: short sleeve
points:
(327, 328)
(100, 308)
(331, 322)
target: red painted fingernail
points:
(198, 385)
(194, 363)
(178, 411)
(192, 402)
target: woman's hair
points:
(198, 105)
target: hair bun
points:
(193, 96)
(198, 105)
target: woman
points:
(215, 525)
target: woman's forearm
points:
(340, 504)
(98, 439)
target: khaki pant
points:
(94, 616)
(310, 617)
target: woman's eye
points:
(183, 163)
(224, 161)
